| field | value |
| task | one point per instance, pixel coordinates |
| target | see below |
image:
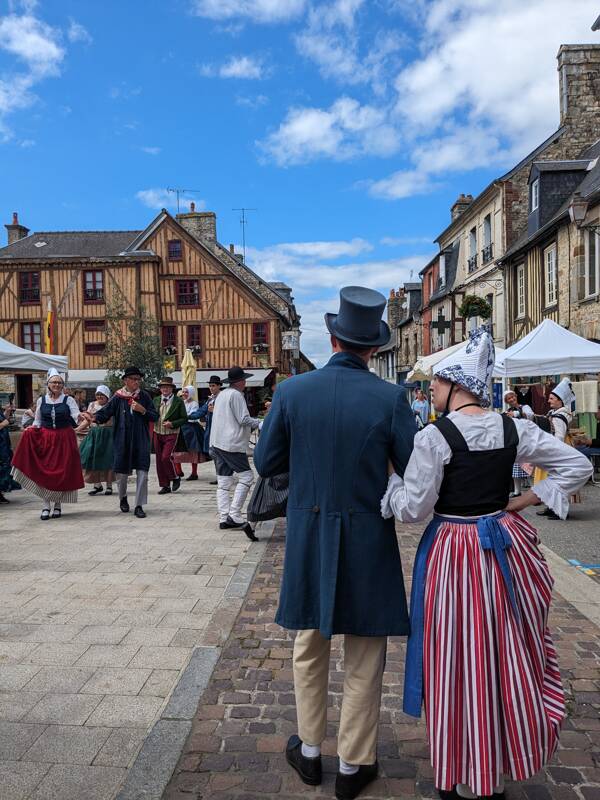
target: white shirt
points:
(413, 498)
(231, 422)
(560, 429)
(525, 412)
(73, 408)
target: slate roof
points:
(451, 267)
(85, 244)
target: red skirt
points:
(493, 695)
(49, 458)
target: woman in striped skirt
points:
(480, 654)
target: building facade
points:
(201, 294)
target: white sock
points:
(348, 769)
(462, 790)
(46, 508)
(311, 750)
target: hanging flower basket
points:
(474, 306)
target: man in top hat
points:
(171, 416)
(342, 571)
(229, 440)
(205, 412)
(132, 409)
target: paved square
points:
(99, 615)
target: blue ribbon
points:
(492, 536)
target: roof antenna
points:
(243, 223)
(179, 192)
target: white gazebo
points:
(18, 360)
(423, 369)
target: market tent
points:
(549, 349)
(18, 359)
(423, 369)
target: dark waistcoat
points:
(56, 415)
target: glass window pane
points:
(592, 263)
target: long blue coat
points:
(334, 430)
(131, 433)
(204, 413)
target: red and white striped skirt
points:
(494, 701)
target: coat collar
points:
(347, 360)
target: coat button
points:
(316, 509)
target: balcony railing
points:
(93, 295)
(472, 263)
(487, 253)
(188, 299)
(29, 295)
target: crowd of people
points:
(66, 444)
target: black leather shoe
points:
(552, 515)
(96, 490)
(250, 533)
(176, 484)
(165, 490)
(139, 512)
(213, 483)
(192, 478)
(230, 523)
(347, 787)
(448, 794)
(124, 505)
(544, 513)
(309, 769)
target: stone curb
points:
(574, 586)
(154, 765)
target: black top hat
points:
(215, 379)
(131, 371)
(359, 318)
(236, 374)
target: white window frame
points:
(487, 230)
(550, 276)
(589, 267)
(473, 242)
(521, 295)
(535, 194)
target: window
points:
(29, 287)
(487, 251)
(260, 333)
(187, 294)
(94, 348)
(521, 290)
(589, 280)
(472, 260)
(442, 270)
(175, 250)
(31, 336)
(194, 336)
(94, 324)
(93, 286)
(169, 336)
(550, 287)
(535, 194)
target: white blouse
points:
(560, 429)
(191, 406)
(73, 408)
(413, 497)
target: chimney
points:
(201, 224)
(16, 231)
(394, 311)
(232, 249)
(579, 83)
(461, 204)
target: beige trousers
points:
(364, 661)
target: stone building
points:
(203, 296)
(395, 359)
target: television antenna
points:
(178, 192)
(243, 223)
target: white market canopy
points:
(423, 369)
(18, 359)
(549, 349)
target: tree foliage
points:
(132, 339)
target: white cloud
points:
(398, 241)
(27, 143)
(151, 151)
(345, 130)
(77, 33)
(124, 91)
(319, 250)
(257, 101)
(158, 198)
(240, 67)
(259, 11)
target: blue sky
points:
(350, 125)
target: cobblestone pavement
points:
(99, 615)
(235, 750)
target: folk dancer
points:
(479, 653)
(171, 416)
(205, 412)
(560, 400)
(190, 443)
(7, 482)
(96, 449)
(132, 410)
(517, 411)
(46, 461)
(229, 441)
(342, 572)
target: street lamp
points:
(578, 208)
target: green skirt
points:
(96, 450)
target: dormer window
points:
(535, 194)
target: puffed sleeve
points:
(568, 469)
(37, 420)
(413, 497)
(74, 409)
